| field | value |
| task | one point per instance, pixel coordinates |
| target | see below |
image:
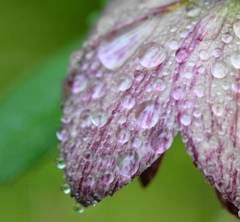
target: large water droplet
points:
(128, 101)
(235, 59)
(99, 117)
(192, 9)
(123, 135)
(147, 114)
(124, 82)
(219, 69)
(118, 46)
(236, 28)
(128, 163)
(151, 55)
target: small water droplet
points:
(65, 188)
(236, 86)
(177, 94)
(123, 135)
(199, 90)
(122, 119)
(227, 37)
(211, 169)
(79, 84)
(173, 45)
(78, 208)
(99, 117)
(137, 142)
(219, 69)
(128, 101)
(62, 135)
(76, 57)
(151, 55)
(186, 120)
(236, 28)
(217, 109)
(192, 9)
(147, 114)
(124, 82)
(235, 59)
(97, 89)
(85, 118)
(107, 177)
(128, 163)
(188, 75)
(217, 52)
(87, 155)
(60, 162)
(182, 55)
(203, 54)
(160, 85)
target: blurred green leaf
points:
(30, 114)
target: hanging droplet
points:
(147, 114)
(78, 208)
(117, 47)
(236, 28)
(65, 188)
(193, 9)
(60, 162)
(151, 55)
(219, 69)
(128, 163)
(99, 117)
(235, 59)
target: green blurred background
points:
(35, 42)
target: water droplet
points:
(97, 89)
(217, 52)
(87, 155)
(219, 69)
(188, 75)
(65, 188)
(122, 119)
(211, 169)
(160, 85)
(186, 120)
(123, 135)
(236, 86)
(203, 54)
(182, 55)
(199, 90)
(235, 59)
(177, 93)
(60, 162)
(236, 28)
(76, 57)
(99, 118)
(90, 180)
(128, 163)
(128, 101)
(151, 55)
(117, 47)
(217, 109)
(227, 37)
(85, 118)
(124, 82)
(79, 84)
(173, 45)
(192, 9)
(137, 142)
(62, 135)
(147, 114)
(78, 208)
(107, 177)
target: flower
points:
(148, 71)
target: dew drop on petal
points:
(127, 163)
(85, 118)
(160, 85)
(203, 54)
(192, 9)
(236, 86)
(123, 135)
(173, 45)
(98, 90)
(124, 82)
(177, 94)
(151, 55)
(188, 75)
(217, 109)
(186, 119)
(79, 84)
(219, 69)
(99, 117)
(147, 114)
(128, 101)
(235, 59)
(137, 142)
(107, 177)
(227, 37)
(236, 28)
(76, 57)
(217, 52)
(182, 55)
